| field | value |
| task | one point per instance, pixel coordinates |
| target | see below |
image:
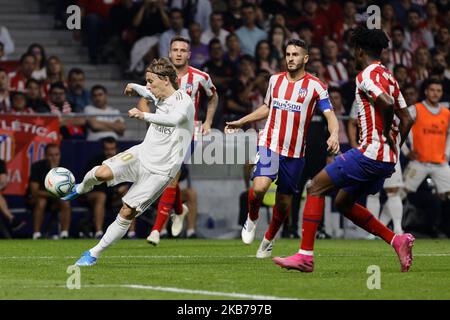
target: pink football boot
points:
(298, 261)
(403, 244)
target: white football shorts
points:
(147, 186)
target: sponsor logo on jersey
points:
(286, 105)
(163, 129)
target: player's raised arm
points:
(261, 113)
(135, 89)
(171, 119)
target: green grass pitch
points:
(220, 269)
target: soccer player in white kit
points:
(150, 165)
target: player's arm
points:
(261, 113)
(352, 131)
(143, 105)
(213, 100)
(406, 122)
(171, 119)
(324, 104)
(133, 89)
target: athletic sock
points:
(365, 220)
(115, 232)
(312, 216)
(89, 181)
(394, 206)
(165, 206)
(254, 203)
(278, 217)
(178, 206)
(373, 204)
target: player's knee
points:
(127, 212)
(391, 192)
(312, 189)
(103, 173)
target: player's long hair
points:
(162, 67)
(372, 41)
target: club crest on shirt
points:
(302, 92)
(188, 88)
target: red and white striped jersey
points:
(396, 57)
(193, 82)
(292, 107)
(374, 80)
(336, 74)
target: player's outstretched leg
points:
(114, 233)
(95, 176)
(280, 213)
(402, 243)
(303, 260)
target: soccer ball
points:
(59, 181)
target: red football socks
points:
(165, 205)
(365, 220)
(278, 217)
(312, 216)
(254, 203)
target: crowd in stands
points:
(240, 44)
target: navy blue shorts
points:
(286, 171)
(356, 174)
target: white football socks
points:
(115, 232)
(373, 204)
(89, 181)
(394, 207)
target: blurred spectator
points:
(332, 10)
(150, 21)
(238, 96)
(234, 52)
(232, 16)
(439, 71)
(5, 102)
(306, 32)
(122, 34)
(402, 7)
(220, 69)
(388, 20)
(8, 43)
(277, 38)
(107, 122)
(316, 18)
(34, 98)
(336, 71)
(216, 30)
(264, 58)
(193, 11)
(38, 52)
(442, 42)
(176, 29)
(401, 75)
(199, 51)
(249, 34)
(339, 110)
(348, 22)
(95, 15)
(417, 36)
(71, 128)
(77, 95)
(421, 66)
(13, 223)
(18, 78)
(433, 22)
(397, 53)
(258, 94)
(279, 19)
(19, 103)
(102, 197)
(315, 54)
(55, 73)
(410, 94)
(41, 200)
(60, 13)
(317, 68)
